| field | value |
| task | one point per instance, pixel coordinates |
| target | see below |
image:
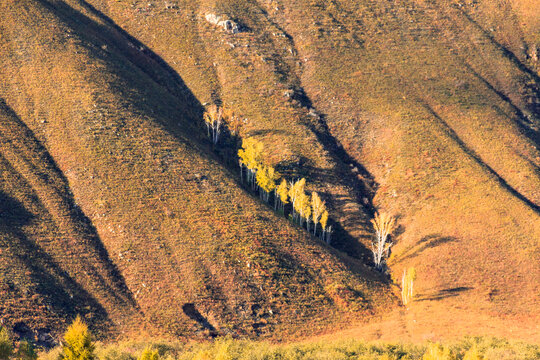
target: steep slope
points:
(440, 109)
(437, 99)
(254, 72)
(53, 264)
(197, 253)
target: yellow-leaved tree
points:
(213, 118)
(77, 344)
(319, 207)
(149, 354)
(407, 283)
(250, 157)
(266, 180)
(6, 346)
(324, 222)
(295, 190)
(438, 352)
(282, 195)
(306, 211)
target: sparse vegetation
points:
(227, 348)
(112, 205)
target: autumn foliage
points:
(305, 209)
(77, 344)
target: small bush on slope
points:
(77, 342)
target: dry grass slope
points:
(425, 109)
(438, 100)
(197, 254)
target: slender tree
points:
(328, 235)
(266, 180)
(383, 224)
(324, 221)
(282, 195)
(251, 155)
(295, 190)
(213, 118)
(307, 211)
(407, 283)
(319, 207)
(301, 204)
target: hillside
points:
(196, 254)
(426, 109)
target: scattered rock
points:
(533, 53)
(313, 113)
(289, 93)
(226, 24)
(170, 5)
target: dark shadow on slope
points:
(427, 242)
(159, 72)
(350, 174)
(518, 63)
(136, 52)
(443, 294)
(21, 140)
(507, 53)
(50, 280)
(477, 158)
(191, 311)
(524, 123)
(347, 176)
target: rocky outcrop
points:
(226, 24)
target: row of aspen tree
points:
(306, 210)
(290, 197)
